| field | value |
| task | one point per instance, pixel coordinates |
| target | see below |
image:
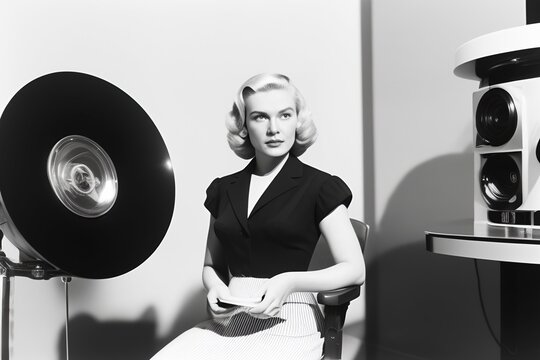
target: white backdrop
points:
(182, 61)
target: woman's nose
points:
(272, 127)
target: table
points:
(518, 251)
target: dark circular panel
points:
(500, 182)
(507, 67)
(109, 243)
(496, 117)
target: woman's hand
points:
(274, 293)
(215, 293)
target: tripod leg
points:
(6, 309)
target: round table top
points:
(465, 238)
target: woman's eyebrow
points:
(286, 109)
(257, 112)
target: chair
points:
(336, 303)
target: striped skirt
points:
(295, 334)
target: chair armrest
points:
(338, 296)
(336, 303)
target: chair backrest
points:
(362, 232)
(321, 258)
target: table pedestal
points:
(518, 251)
(520, 311)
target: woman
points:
(265, 223)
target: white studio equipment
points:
(506, 117)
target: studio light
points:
(82, 182)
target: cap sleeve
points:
(333, 193)
(212, 197)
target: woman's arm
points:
(349, 269)
(215, 270)
(215, 267)
(345, 248)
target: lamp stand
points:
(29, 268)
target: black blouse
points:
(283, 228)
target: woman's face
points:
(271, 122)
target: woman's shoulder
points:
(216, 191)
(330, 190)
(218, 182)
(317, 174)
(225, 179)
(324, 181)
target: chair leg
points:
(334, 318)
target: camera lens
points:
(500, 182)
(496, 117)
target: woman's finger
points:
(213, 303)
(260, 308)
(218, 312)
(272, 309)
(261, 294)
(215, 307)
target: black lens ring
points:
(500, 182)
(496, 117)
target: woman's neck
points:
(266, 164)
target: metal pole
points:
(6, 308)
(66, 280)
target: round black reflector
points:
(86, 182)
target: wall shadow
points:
(90, 339)
(137, 339)
(421, 305)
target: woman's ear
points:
(244, 132)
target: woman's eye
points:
(259, 117)
(286, 116)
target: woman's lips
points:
(274, 143)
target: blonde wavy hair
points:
(238, 137)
